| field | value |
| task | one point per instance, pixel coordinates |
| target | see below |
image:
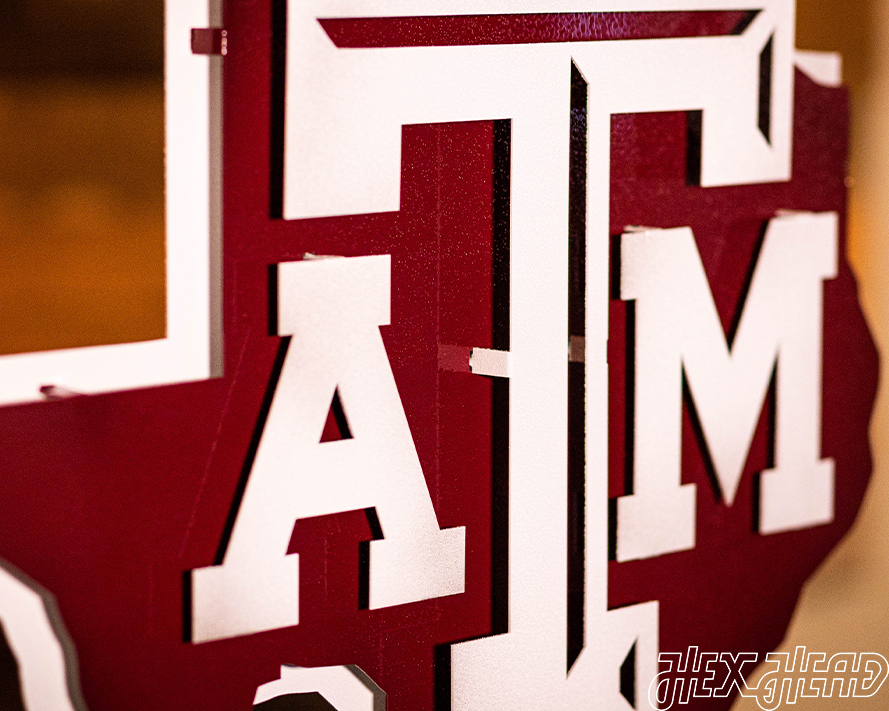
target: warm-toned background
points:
(845, 606)
(81, 173)
(81, 219)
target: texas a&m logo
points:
(553, 80)
(542, 358)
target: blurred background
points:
(82, 225)
(844, 606)
(81, 173)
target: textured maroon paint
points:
(208, 40)
(108, 500)
(455, 30)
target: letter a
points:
(333, 308)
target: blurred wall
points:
(843, 607)
(99, 38)
(81, 173)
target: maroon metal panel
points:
(109, 500)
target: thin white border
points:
(192, 349)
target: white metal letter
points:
(678, 330)
(333, 307)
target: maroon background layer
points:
(455, 30)
(108, 500)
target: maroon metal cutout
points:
(456, 30)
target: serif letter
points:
(333, 309)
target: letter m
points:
(678, 333)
